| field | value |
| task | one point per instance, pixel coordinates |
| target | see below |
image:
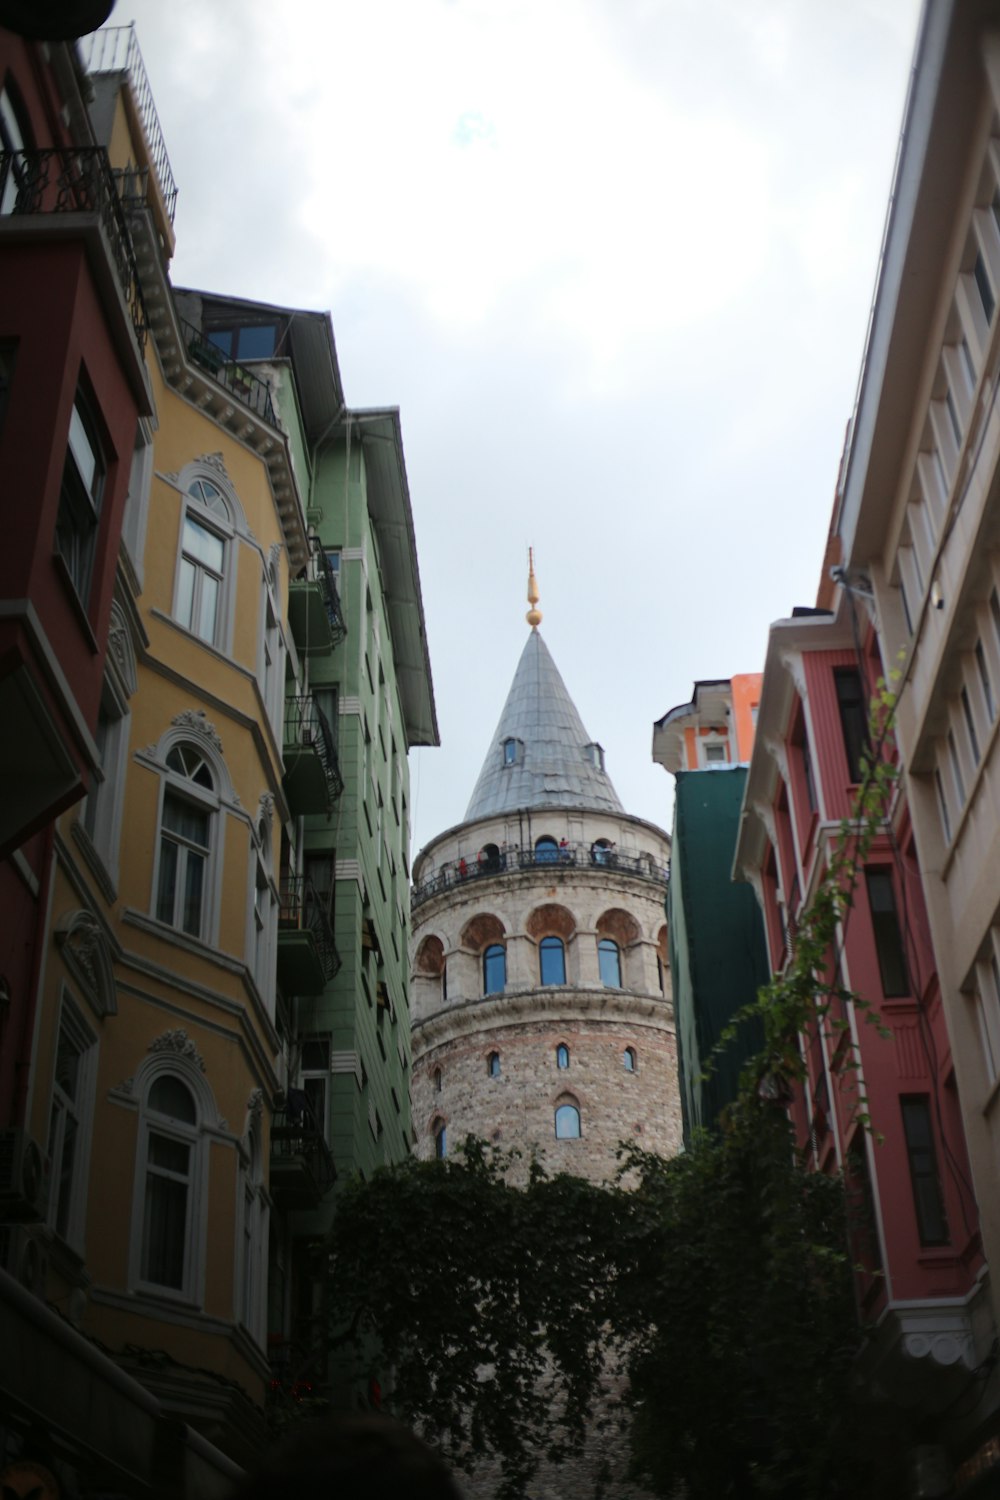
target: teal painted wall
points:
(718, 954)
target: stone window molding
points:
(86, 952)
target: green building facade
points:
(718, 956)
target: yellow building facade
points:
(157, 1052)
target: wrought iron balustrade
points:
(248, 388)
(331, 594)
(303, 910)
(509, 861)
(115, 49)
(307, 724)
(76, 180)
(297, 1135)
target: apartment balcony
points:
(307, 954)
(67, 192)
(302, 1168)
(249, 389)
(314, 612)
(312, 770)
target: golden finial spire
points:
(534, 615)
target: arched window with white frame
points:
(186, 843)
(204, 564)
(170, 1187)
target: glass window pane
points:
(567, 1123)
(185, 593)
(65, 1171)
(82, 449)
(552, 961)
(183, 818)
(193, 882)
(494, 969)
(256, 342)
(163, 1230)
(202, 544)
(609, 960)
(168, 1096)
(168, 881)
(208, 610)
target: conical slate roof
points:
(555, 761)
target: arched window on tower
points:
(568, 1120)
(493, 1065)
(552, 961)
(629, 1059)
(439, 1130)
(546, 850)
(610, 962)
(494, 969)
(562, 1056)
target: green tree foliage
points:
(721, 1280)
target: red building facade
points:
(915, 1227)
(73, 387)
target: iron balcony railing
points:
(295, 1132)
(242, 383)
(307, 724)
(116, 50)
(302, 910)
(509, 861)
(331, 594)
(76, 180)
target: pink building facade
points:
(915, 1226)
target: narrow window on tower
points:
(853, 719)
(886, 929)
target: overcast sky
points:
(612, 259)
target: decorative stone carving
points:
(217, 462)
(87, 955)
(120, 649)
(180, 1044)
(779, 755)
(255, 1104)
(265, 809)
(198, 721)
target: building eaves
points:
(392, 517)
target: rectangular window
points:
(314, 1075)
(970, 725)
(932, 1226)
(984, 288)
(943, 807)
(165, 1220)
(985, 681)
(906, 606)
(956, 769)
(953, 417)
(887, 933)
(80, 499)
(68, 1121)
(988, 1000)
(807, 774)
(184, 851)
(853, 719)
(970, 368)
(200, 582)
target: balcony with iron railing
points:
(314, 610)
(239, 381)
(116, 50)
(312, 770)
(490, 863)
(307, 953)
(55, 182)
(302, 1168)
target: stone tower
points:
(540, 996)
